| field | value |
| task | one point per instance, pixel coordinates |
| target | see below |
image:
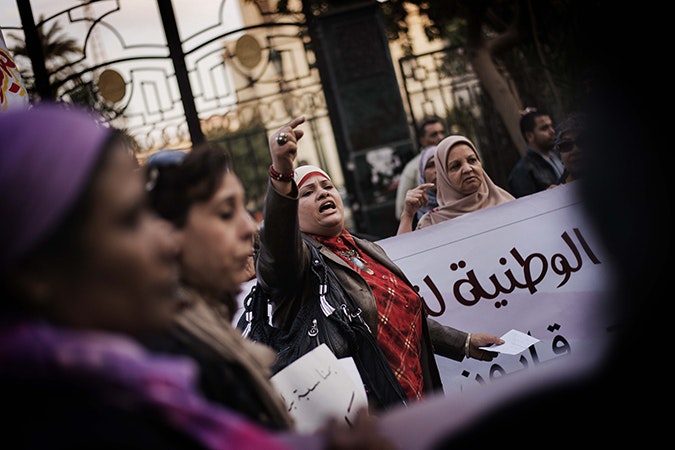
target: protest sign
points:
(318, 387)
(533, 264)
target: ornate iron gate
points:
(442, 83)
(224, 85)
(235, 86)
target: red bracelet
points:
(280, 177)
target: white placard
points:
(533, 264)
(318, 386)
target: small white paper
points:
(514, 342)
(318, 386)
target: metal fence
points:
(229, 85)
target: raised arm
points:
(280, 256)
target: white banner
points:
(533, 264)
(12, 90)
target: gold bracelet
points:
(467, 344)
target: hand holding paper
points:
(317, 387)
(514, 342)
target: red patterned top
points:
(399, 311)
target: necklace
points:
(354, 257)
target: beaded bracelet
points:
(279, 176)
(467, 345)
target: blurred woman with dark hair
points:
(203, 198)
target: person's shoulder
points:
(531, 153)
(363, 239)
(519, 167)
(369, 244)
(527, 160)
(413, 163)
(424, 221)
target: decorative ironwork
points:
(221, 81)
(443, 83)
(241, 92)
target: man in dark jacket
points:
(540, 167)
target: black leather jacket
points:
(532, 173)
(283, 265)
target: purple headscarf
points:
(425, 155)
(46, 157)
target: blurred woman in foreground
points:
(85, 271)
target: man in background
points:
(540, 166)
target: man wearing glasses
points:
(569, 142)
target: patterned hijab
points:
(452, 203)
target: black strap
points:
(378, 377)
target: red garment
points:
(399, 308)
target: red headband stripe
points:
(309, 174)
